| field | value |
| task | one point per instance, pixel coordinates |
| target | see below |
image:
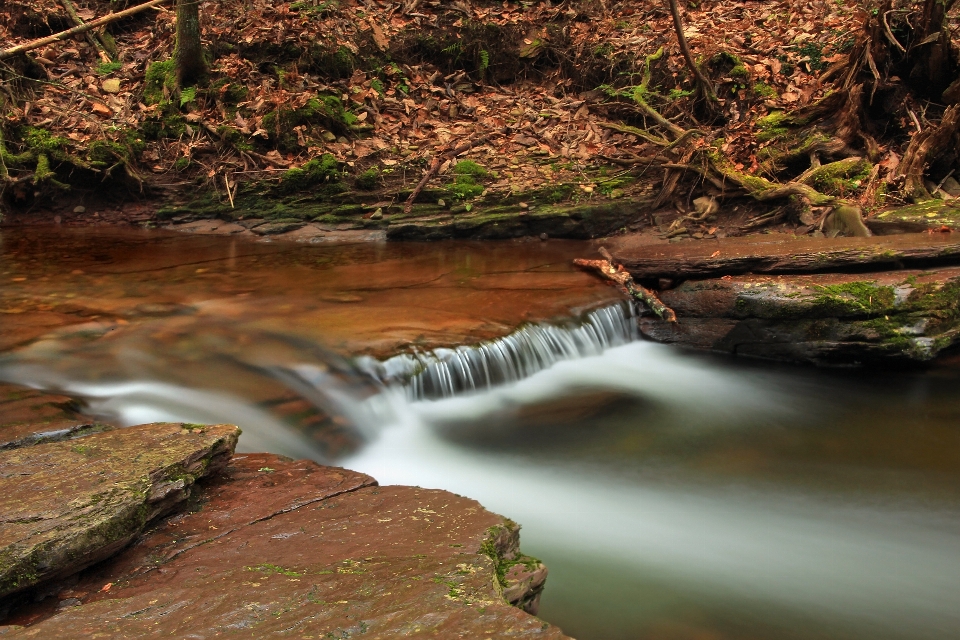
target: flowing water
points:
(672, 495)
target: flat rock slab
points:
(933, 214)
(783, 254)
(274, 548)
(29, 416)
(824, 318)
(67, 505)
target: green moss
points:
(853, 298)
(326, 111)
(41, 140)
(315, 172)
(106, 68)
(470, 168)
(772, 126)
(181, 164)
(560, 193)
(841, 177)
(229, 92)
(466, 177)
(764, 90)
(369, 179)
(105, 153)
(169, 125)
(159, 75)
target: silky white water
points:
(640, 533)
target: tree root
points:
(924, 147)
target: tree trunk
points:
(933, 66)
(187, 53)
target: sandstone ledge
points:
(272, 547)
(835, 319)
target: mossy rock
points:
(96, 493)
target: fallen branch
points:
(87, 26)
(624, 281)
(438, 162)
(92, 39)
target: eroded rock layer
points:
(822, 318)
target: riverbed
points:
(672, 494)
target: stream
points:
(673, 495)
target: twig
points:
(916, 122)
(87, 26)
(226, 181)
(624, 281)
(890, 37)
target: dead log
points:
(625, 283)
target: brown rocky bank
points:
(832, 301)
(266, 546)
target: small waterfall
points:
(442, 373)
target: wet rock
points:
(845, 221)
(706, 205)
(274, 228)
(834, 319)
(29, 416)
(272, 545)
(951, 187)
(67, 505)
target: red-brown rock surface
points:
(273, 548)
(29, 416)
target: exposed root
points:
(924, 147)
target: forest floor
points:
(333, 111)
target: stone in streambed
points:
(273, 545)
(67, 505)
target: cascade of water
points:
(442, 373)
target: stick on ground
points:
(624, 281)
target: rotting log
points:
(624, 281)
(735, 256)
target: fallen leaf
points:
(101, 110)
